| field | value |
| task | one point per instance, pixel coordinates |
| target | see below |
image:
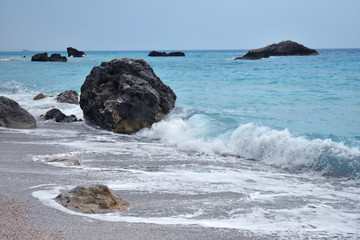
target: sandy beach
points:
(25, 217)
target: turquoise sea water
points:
(299, 110)
(270, 146)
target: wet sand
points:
(18, 176)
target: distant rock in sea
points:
(284, 48)
(43, 57)
(93, 199)
(125, 95)
(164, 54)
(74, 52)
(14, 116)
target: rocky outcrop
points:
(14, 116)
(39, 96)
(69, 96)
(125, 95)
(59, 116)
(284, 48)
(43, 57)
(93, 199)
(74, 52)
(164, 54)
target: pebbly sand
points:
(25, 217)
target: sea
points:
(268, 146)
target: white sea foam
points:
(273, 147)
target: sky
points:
(50, 25)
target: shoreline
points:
(19, 175)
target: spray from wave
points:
(200, 133)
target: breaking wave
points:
(279, 148)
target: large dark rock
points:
(74, 52)
(59, 116)
(14, 116)
(125, 95)
(93, 199)
(284, 48)
(40, 57)
(43, 57)
(164, 54)
(69, 96)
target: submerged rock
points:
(43, 57)
(284, 48)
(93, 199)
(69, 96)
(59, 116)
(40, 96)
(164, 54)
(14, 116)
(74, 52)
(125, 95)
(66, 160)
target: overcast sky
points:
(176, 25)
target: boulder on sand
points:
(14, 116)
(69, 96)
(74, 52)
(93, 199)
(125, 95)
(164, 54)
(284, 48)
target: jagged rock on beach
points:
(43, 57)
(284, 48)
(125, 95)
(59, 116)
(66, 160)
(74, 52)
(164, 54)
(69, 96)
(93, 199)
(14, 116)
(40, 96)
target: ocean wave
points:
(11, 59)
(278, 148)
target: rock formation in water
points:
(69, 96)
(93, 199)
(59, 116)
(14, 116)
(125, 95)
(284, 48)
(39, 96)
(43, 57)
(74, 52)
(164, 54)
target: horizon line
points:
(143, 50)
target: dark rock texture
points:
(125, 95)
(284, 48)
(74, 52)
(93, 199)
(59, 116)
(43, 57)
(14, 116)
(69, 96)
(164, 54)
